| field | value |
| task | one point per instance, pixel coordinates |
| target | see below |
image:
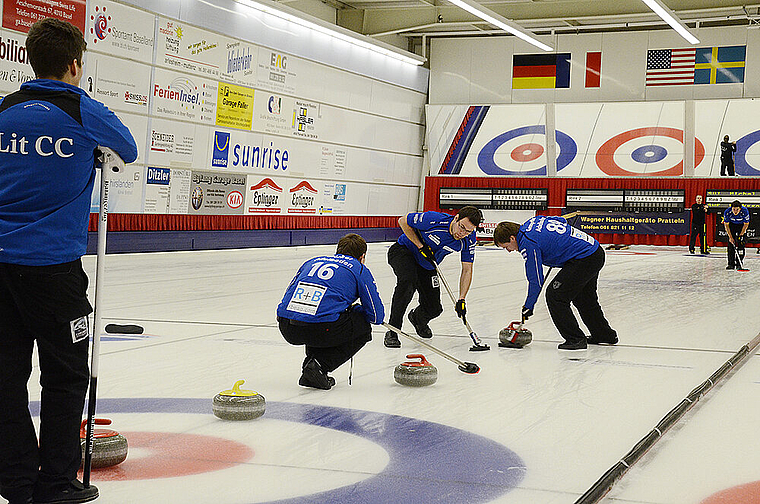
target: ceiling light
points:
(335, 31)
(500, 22)
(669, 17)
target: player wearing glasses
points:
(428, 238)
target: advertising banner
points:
(185, 47)
(276, 71)
(654, 223)
(217, 193)
(14, 62)
(264, 195)
(239, 150)
(121, 31)
(303, 199)
(272, 113)
(20, 15)
(172, 143)
(167, 191)
(239, 65)
(178, 96)
(234, 106)
(120, 84)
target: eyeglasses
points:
(463, 229)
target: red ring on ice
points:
(172, 454)
(742, 494)
(605, 155)
(527, 152)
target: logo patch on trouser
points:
(556, 284)
(434, 279)
(80, 329)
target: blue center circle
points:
(740, 158)
(649, 154)
(429, 462)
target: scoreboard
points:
(717, 201)
(627, 200)
(487, 198)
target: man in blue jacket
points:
(427, 238)
(318, 310)
(551, 241)
(736, 222)
(48, 132)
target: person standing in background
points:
(50, 129)
(727, 150)
(698, 212)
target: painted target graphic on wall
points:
(748, 154)
(651, 152)
(519, 152)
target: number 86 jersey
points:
(326, 286)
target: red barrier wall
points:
(558, 186)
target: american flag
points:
(670, 67)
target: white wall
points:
(479, 70)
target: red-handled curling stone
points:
(109, 447)
(515, 335)
(415, 373)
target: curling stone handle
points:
(96, 421)
(423, 361)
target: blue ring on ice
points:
(429, 462)
(649, 154)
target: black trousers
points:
(735, 229)
(726, 164)
(40, 303)
(576, 283)
(698, 230)
(411, 278)
(331, 343)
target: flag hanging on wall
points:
(703, 65)
(720, 65)
(593, 69)
(670, 67)
(540, 71)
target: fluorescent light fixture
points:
(669, 17)
(335, 31)
(495, 19)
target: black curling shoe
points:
(74, 493)
(391, 340)
(313, 376)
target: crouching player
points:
(553, 242)
(318, 310)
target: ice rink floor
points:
(534, 426)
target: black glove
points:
(460, 308)
(526, 313)
(427, 253)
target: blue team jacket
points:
(434, 229)
(48, 131)
(326, 286)
(550, 241)
(728, 216)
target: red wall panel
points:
(558, 186)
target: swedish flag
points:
(720, 65)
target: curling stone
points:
(237, 404)
(415, 374)
(109, 447)
(515, 335)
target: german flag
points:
(540, 71)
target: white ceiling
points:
(414, 18)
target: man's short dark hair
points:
(504, 231)
(52, 45)
(352, 245)
(473, 214)
(736, 203)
